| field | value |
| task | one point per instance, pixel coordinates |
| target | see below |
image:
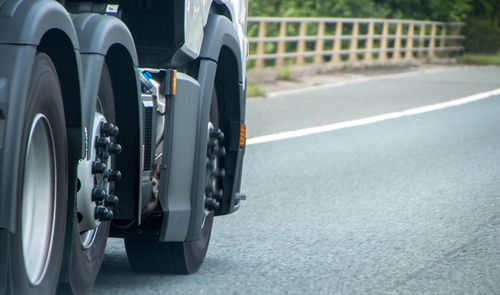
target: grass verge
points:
(285, 74)
(480, 59)
(253, 90)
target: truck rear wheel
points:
(36, 247)
(175, 257)
(88, 244)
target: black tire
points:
(44, 99)
(150, 256)
(4, 246)
(173, 257)
(85, 263)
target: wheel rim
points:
(88, 232)
(214, 173)
(39, 199)
(210, 179)
(87, 238)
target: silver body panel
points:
(196, 16)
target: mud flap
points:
(177, 165)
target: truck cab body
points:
(122, 119)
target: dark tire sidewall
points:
(85, 263)
(196, 251)
(44, 97)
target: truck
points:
(122, 119)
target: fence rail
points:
(280, 41)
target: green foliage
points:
(482, 29)
(481, 59)
(482, 17)
(284, 74)
(347, 68)
(481, 35)
(253, 90)
(445, 10)
(437, 10)
(316, 8)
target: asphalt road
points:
(403, 206)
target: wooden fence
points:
(286, 41)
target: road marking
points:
(373, 119)
(360, 80)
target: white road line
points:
(362, 79)
(374, 119)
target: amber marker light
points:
(242, 135)
(174, 81)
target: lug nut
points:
(209, 189)
(116, 130)
(211, 204)
(102, 142)
(220, 173)
(111, 201)
(218, 195)
(220, 135)
(114, 175)
(102, 213)
(211, 165)
(220, 151)
(212, 143)
(109, 129)
(98, 167)
(98, 195)
(115, 149)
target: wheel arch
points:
(58, 46)
(26, 22)
(107, 39)
(220, 32)
(231, 100)
(129, 119)
(28, 27)
(220, 47)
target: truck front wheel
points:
(179, 257)
(36, 247)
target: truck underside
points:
(122, 119)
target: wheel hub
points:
(214, 174)
(94, 203)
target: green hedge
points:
(482, 17)
(481, 35)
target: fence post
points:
(301, 47)
(432, 41)
(443, 40)
(409, 42)
(318, 59)
(354, 42)
(396, 54)
(455, 30)
(280, 61)
(369, 42)
(259, 63)
(383, 43)
(337, 43)
(421, 41)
